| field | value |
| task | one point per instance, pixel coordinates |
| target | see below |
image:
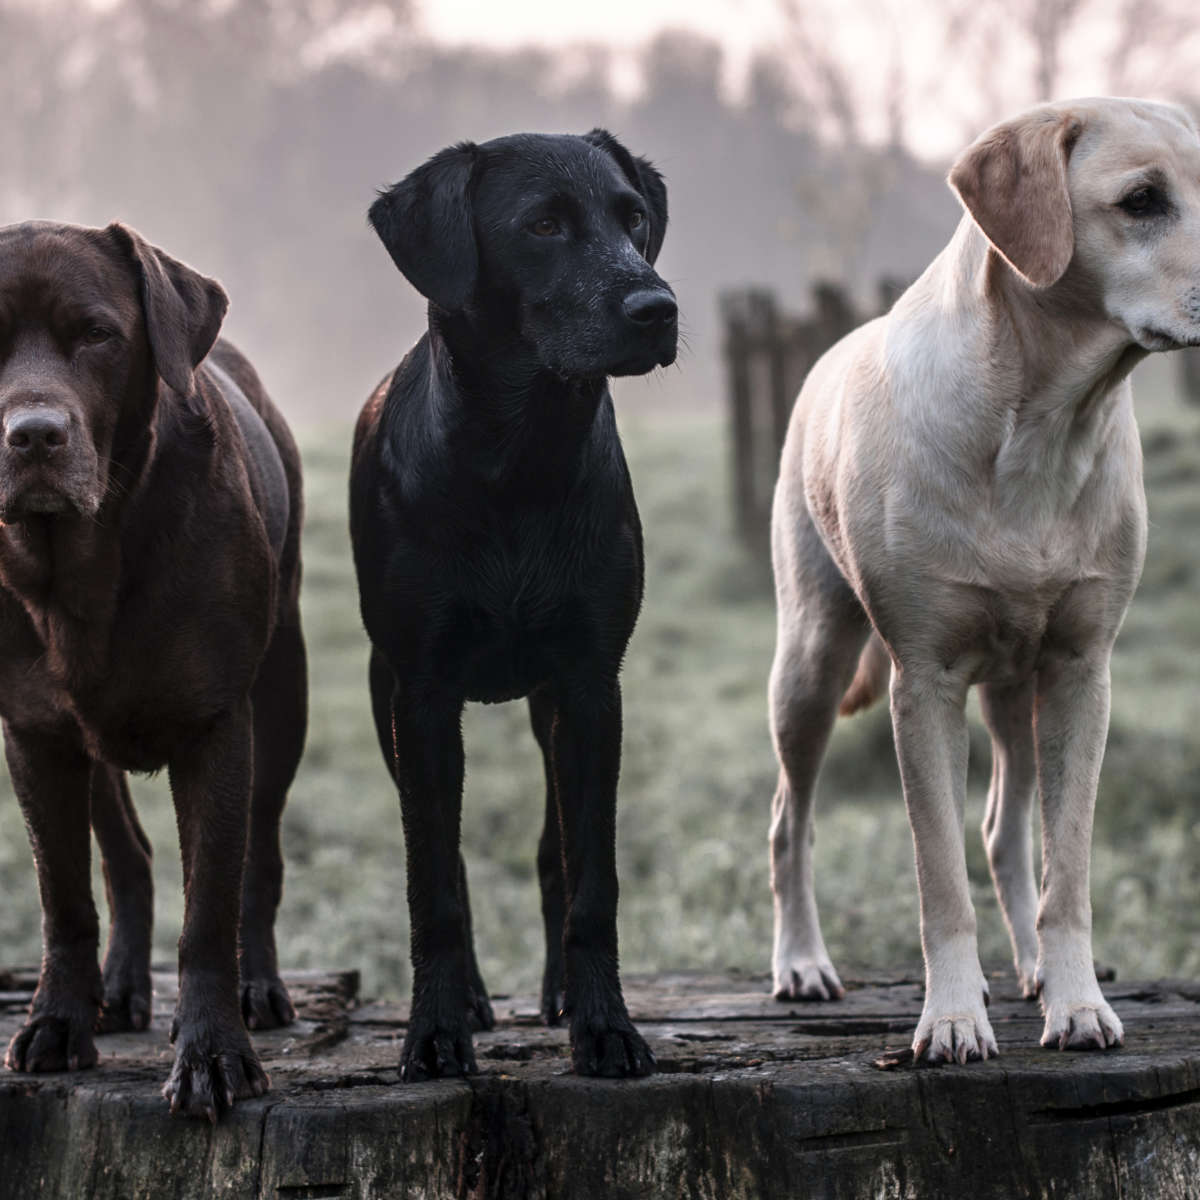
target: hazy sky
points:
(739, 24)
(865, 34)
(949, 89)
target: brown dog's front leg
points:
(210, 782)
(427, 736)
(129, 885)
(586, 743)
(50, 776)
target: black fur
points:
(498, 547)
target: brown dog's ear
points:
(1013, 182)
(183, 309)
(425, 222)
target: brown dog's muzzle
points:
(43, 468)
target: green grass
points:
(698, 770)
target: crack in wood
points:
(1134, 1106)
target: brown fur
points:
(149, 577)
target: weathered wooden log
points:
(753, 1099)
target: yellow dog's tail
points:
(870, 680)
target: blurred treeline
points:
(248, 137)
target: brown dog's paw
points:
(266, 1003)
(206, 1080)
(127, 1001)
(614, 1051)
(434, 1051)
(48, 1042)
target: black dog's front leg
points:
(50, 776)
(210, 783)
(383, 683)
(586, 738)
(427, 735)
(549, 861)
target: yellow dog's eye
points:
(546, 227)
(1144, 202)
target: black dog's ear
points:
(641, 173)
(425, 223)
(183, 308)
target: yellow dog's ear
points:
(1013, 182)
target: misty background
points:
(800, 142)
(248, 137)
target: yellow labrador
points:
(960, 502)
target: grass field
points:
(698, 771)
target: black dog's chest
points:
(509, 632)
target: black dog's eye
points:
(637, 219)
(96, 335)
(546, 227)
(1144, 202)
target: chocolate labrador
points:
(498, 547)
(149, 573)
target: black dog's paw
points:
(53, 1042)
(553, 1001)
(127, 1000)
(612, 1050)
(434, 1051)
(266, 1003)
(479, 1010)
(210, 1074)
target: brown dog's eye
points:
(637, 219)
(97, 334)
(546, 227)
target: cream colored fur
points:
(960, 500)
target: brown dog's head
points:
(90, 321)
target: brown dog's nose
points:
(36, 432)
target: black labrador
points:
(150, 513)
(498, 546)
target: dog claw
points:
(434, 1052)
(480, 1014)
(959, 1039)
(1082, 1027)
(615, 1052)
(125, 1011)
(266, 1003)
(808, 980)
(52, 1043)
(206, 1083)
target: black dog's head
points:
(550, 238)
(90, 319)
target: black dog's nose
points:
(653, 307)
(36, 431)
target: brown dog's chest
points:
(132, 689)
